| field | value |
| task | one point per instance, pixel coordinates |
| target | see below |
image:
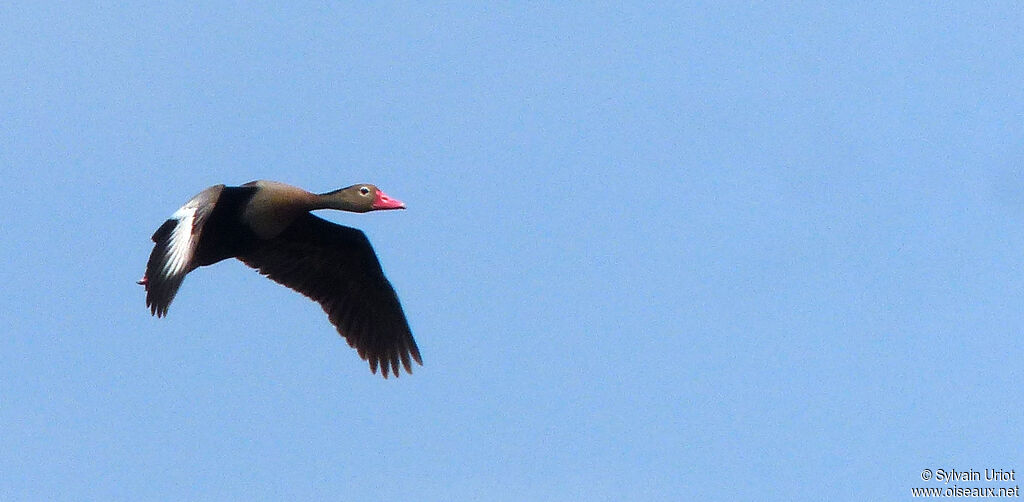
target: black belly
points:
(225, 235)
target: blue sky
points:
(694, 250)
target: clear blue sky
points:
(699, 251)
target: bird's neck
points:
(338, 199)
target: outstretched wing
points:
(176, 241)
(336, 266)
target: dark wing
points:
(176, 242)
(335, 266)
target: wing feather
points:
(336, 266)
(176, 241)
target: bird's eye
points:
(364, 190)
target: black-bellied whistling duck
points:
(267, 225)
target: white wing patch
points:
(174, 253)
(180, 244)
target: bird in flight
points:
(268, 226)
